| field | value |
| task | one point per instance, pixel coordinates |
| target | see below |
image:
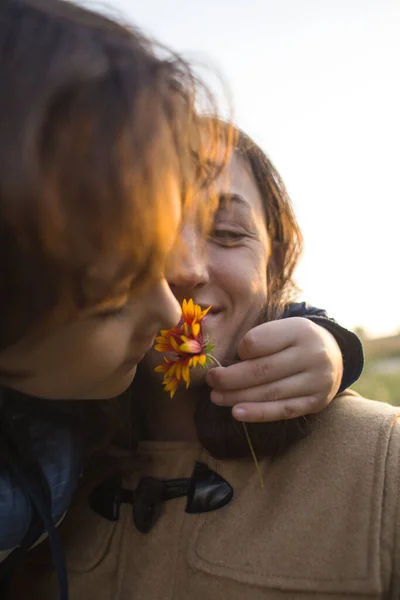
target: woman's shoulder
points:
(358, 415)
(360, 427)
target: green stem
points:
(248, 438)
(253, 454)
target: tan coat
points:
(326, 525)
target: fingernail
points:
(239, 413)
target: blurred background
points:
(317, 84)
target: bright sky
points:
(317, 84)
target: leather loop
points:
(207, 490)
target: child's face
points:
(96, 356)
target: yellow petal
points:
(204, 312)
(190, 309)
(171, 385)
(202, 359)
(186, 374)
(163, 345)
(161, 348)
(178, 370)
(174, 345)
(196, 329)
(171, 371)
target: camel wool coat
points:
(325, 526)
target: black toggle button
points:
(205, 490)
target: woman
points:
(325, 524)
(98, 138)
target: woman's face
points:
(232, 275)
(96, 356)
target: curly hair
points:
(282, 227)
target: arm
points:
(289, 368)
(349, 344)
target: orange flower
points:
(186, 345)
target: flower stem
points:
(248, 438)
(215, 360)
(253, 454)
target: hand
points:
(288, 368)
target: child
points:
(97, 144)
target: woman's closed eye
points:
(227, 235)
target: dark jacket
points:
(349, 344)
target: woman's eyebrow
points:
(226, 198)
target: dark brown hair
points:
(283, 230)
(93, 121)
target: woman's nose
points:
(188, 266)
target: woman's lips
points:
(211, 321)
(212, 314)
(214, 310)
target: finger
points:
(250, 373)
(269, 338)
(294, 386)
(265, 412)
